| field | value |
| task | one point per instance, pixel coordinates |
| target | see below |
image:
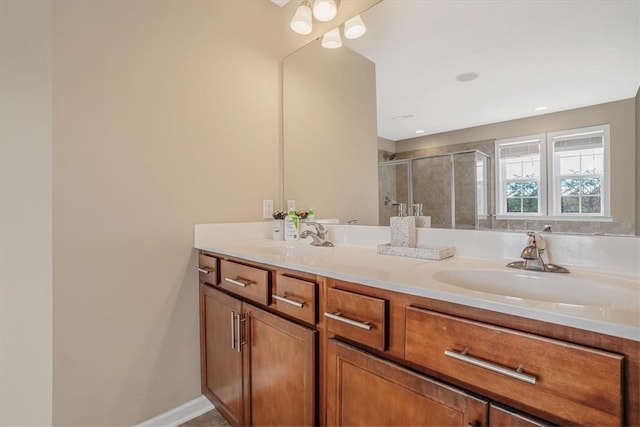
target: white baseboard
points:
(180, 414)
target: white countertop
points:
(616, 313)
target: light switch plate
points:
(267, 208)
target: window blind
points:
(578, 143)
(519, 149)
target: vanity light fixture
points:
(354, 27)
(302, 22)
(325, 10)
(419, 131)
(332, 39)
(540, 108)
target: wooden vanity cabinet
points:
(556, 379)
(365, 390)
(257, 367)
(581, 377)
(272, 356)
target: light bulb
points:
(302, 22)
(354, 27)
(325, 10)
(332, 40)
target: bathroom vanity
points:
(297, 335)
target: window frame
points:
(501, 198)
(555, 202)
(549, 202)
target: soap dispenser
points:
(291, 223)
(421, 220)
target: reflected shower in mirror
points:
(453, 189)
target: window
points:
(576, 172)
(580, 181)
(521, 175)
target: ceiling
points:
(527, 54)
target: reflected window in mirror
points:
(521, 176)
(571, 183)
(580, 178)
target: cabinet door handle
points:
(233, 331)
(241, 342)
(340, 318)
(284, 298)
(204, 270)
(512, 373)
(238, 282)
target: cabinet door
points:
(503, 417)
(282, 370)
(363, 390)
(222, 367)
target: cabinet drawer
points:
(208, 268)
(556, 380)
(357, 317)
(296, 298)
(250, 282)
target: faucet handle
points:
(319, 227)
(530, 252)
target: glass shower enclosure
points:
(454, 188)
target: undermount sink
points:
(541, 286)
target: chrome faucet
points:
(319, 236)
(532, 256)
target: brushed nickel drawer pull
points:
(204, 270)
(513, 373)
(340, 318)
(238, 282)
(284, 298)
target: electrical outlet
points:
(267, 208)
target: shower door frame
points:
(409, 163)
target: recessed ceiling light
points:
(467, 77)
(540, 108)
(420, 131)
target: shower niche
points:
(454, 188)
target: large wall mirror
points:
(410, 112)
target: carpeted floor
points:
(208, 419)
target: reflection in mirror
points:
(327, 123)
(329, 132)
(453, 189)
(621, 117)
